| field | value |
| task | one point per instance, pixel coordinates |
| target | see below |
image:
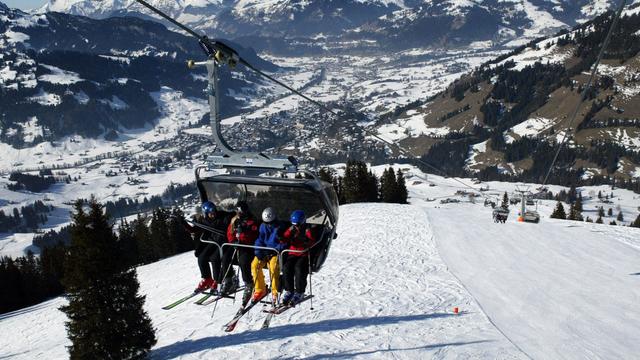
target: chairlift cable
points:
(225, 49)
(586, 89)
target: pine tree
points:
(350, 182)
(387, 185)
(574, 212)
(599, 220)
(326, 174)
(620, 217)
(401, 189)
(505, 202)
(159, 231)
(359, 185)
(127, 243)
(572, 195)
(559, 213)
(177, 233)
(144, 243)
(610, 212)
(601, 212)
(613, 222)
(373, 187)
(578, 204)
(106, 315)
(636, 222)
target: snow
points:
(476, 149)
(530, 127)
(15, 37)
(562, 290)
(407, 316)
(115, 103)
(44, 98)
(622, 137)
(6, 74)
(413, 126)
(31, 130)
(559, 289)
(529, 56)
(59, 76)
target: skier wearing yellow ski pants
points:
(268, 237)
(260, 288)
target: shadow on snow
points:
(281, 332)
(350, 355)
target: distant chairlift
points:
(525, 215)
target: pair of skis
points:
(275, 310)
(206, 300)
(231, 325)
(203, 300)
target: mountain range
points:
(294, 26)
(56, 70)
(505, 119)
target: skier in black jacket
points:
(208, 253)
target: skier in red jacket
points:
(243, 229)
(296, 267)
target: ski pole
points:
(223, 278)
(310, 282)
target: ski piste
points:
(282, 308)
(228, 327)
(180, 301)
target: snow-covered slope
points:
(383, 292)
(558, 289)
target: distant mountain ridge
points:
(390, 23)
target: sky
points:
(24, 4)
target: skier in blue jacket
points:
(269, 236)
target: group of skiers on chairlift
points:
(242, 227)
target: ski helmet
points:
(297, 217)
(208, 207)
(269, 214)
(242, 206)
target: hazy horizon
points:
(24, 4)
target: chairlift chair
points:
(315, 197)
(259, 179)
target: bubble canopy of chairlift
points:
(315, 197)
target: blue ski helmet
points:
(208, 207)
(297, 217)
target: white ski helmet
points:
(268, 214)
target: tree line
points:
(29, 280)
(360, 184)
(27, 219)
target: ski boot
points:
(205, 284)
(246, 295)
(258, 295)
(286, 298)
(230, 285)
(297, 297)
